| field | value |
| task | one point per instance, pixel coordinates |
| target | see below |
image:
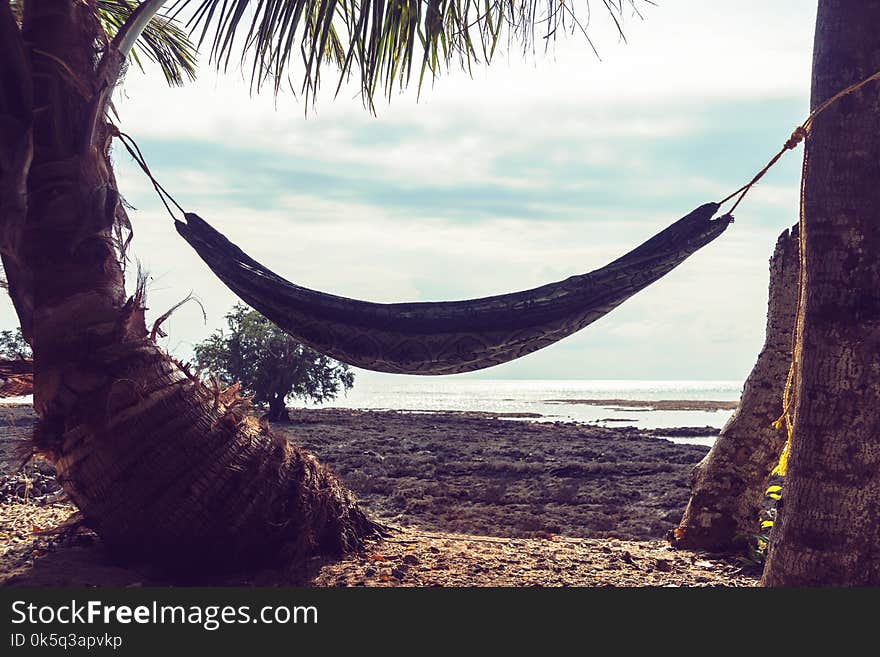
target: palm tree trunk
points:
(164, 468)
(729, 483)
(16, 152)
(828, 531)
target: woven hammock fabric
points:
(448, 337)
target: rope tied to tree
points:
(798, 135)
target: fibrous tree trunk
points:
(828, 530)
(16, 377)
(16, 153)
(163, 467)
(729, 483)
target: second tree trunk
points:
(729, 483)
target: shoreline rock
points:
(478, 501)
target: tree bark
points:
(729, 483)
(16, 152)
(828, 530)
(278, 409)
(162, 467)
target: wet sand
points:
(478, 473)
(652, 405)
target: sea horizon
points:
(538, 400)
(545, 400)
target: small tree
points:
(13, 345)
(269, 364)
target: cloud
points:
(529, 172)
(681, 54)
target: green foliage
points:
(163, 41)
(13, 346)
(270, 365)
(379, 41)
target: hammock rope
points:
(135, 152)
(798, 135)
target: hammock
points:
(448, 337)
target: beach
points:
(481, 473)
(470, 499)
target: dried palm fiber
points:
(448, 337)
(16, 377)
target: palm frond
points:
(163, 41)
(380, 42)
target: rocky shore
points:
(475, 499)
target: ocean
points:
(546, 398)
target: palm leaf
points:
(379, 42)
(163, 41)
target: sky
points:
(532, 169)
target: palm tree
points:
(828, 530)
(162, 466)
(828, 523)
